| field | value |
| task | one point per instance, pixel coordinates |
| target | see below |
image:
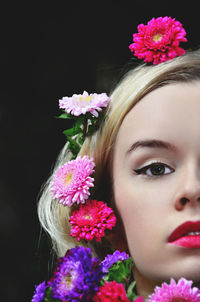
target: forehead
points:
(166, 113)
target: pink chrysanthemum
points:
(139, 299)
(159, 40)
(72, 181)
(111, 292)
(82, 103)
(182, 291)
(91, 220)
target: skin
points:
(150, 204)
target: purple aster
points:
(39, 292)
(77, 276)
(113, 258)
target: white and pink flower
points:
(82, 103)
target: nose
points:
(188, 191)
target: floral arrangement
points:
(79, 276)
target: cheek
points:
(142, 215)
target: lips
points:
(186, 235)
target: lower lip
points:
(192, 241)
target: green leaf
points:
(91, 129)
(120, 271)
(130, 293)
(80, 138)
(73, 145)
(65, 116)
(48, 296)
(71, 132)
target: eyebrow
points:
(152, 143)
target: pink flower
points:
(139, 299)
(111, 292)
(82, 103)
(159, 40)
(72, 181)
(91, 220)
(182, 291)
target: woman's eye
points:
(155, 169)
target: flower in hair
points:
(81, 103)
(77, 277)
(72, 181)
(159, 40)
(111, 292)
(113, 258)
(91, 220)
(182, 291)
(39, 292)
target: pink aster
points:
(139, 299)
(82, 103)
(182, 291)
(91, 220)
(72, 181)
(111, 292)
(159, 40)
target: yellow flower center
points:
(88, 216)
(157, 37)
(68, 178)
(87, 99)
(67, 281)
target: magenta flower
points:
(182, 291)
(111, 292)
(82, 103)
(159, 40)
(72, 181)
(139, 299)
(91, 220)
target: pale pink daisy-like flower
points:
(91, 220)
(82, 103)
(182, 291)
(159, 40)
(72, 181)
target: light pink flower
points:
(91, 220)
(82, 103)
(182, 291)
(72, 181)
(159, 40)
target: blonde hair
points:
(133, 86)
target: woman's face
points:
(156, 173)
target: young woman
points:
(147, 168)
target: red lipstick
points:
(186, 235)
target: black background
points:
(47, 51)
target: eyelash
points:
(144, 169)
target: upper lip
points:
(183, 229)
